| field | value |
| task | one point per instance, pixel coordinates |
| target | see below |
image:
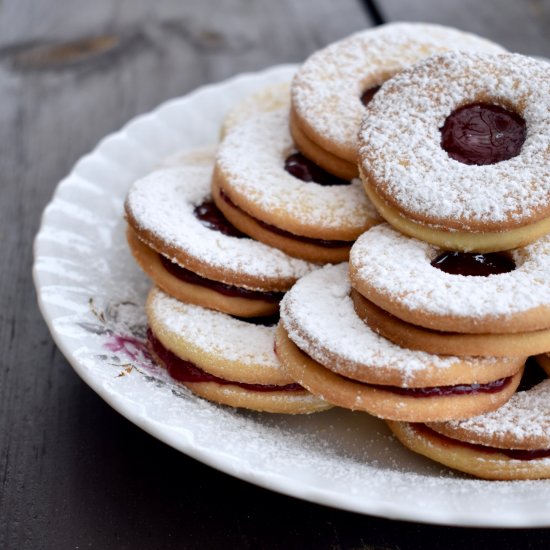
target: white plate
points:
(91, 294)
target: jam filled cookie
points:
(184, 243)
(512, 442)
(223, 359)
(452, 302)
(326, 348)
(267, 189)
(456, 151)
(332, 87)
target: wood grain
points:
(68, 76)
(519, 26)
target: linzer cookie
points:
(327, 348)
(184, 243)
(271, 192)
(444, 302)
(332, 87)
(223, 359)
(456, 151)
(512, 442)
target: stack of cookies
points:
(421, 154)
(455, 154)
(446, 301)
(213, 311)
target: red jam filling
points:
(367, 95)
(227, 290)
(266, 320)
(185, 371)
(306, 170)
(517, 454)
(474, 264)
(444, 391)
(211, 216)
(481, 133)
(309, 240)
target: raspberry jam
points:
(443, 391)
(474, 264)
(283, 233)
(367, 95)
(306, 170)
(481, 133)
(227, 290)
(211, 216)
(310, 240)
(266, 320)
(186, 371)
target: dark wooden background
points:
(73, 473)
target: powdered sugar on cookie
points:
(251, 159)
(327, 89)
(163, 203)
(399, 269)
(404, 163)
(522, 423)
(214, 332)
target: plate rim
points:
(235, 467)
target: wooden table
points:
(73, 473)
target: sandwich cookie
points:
(333, 86)
(444, 302)
(456, 151)
(184, 243)
(270, 191)
(226, 360)
(327, 348)
(512, 442)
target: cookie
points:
(226, 360)
(453, 303)
(456, 151)
(184, 243)
(512, 442)
(328, 349)
(268, 190)
(332, 87)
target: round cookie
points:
(456, 151)
(183, 242)
(223, 359)
(512, 442)
(260, 184)
(328, 349)
(413, 287)
(331, 88)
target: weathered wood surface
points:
(73, 473)
(522, 27)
